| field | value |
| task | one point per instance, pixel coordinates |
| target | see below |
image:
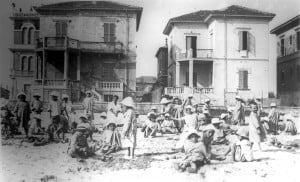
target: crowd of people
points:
(198, 127)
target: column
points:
(191, 71)
(66, 67)
(78, 66)
(177, 74)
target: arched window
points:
(24, 64)
(30, 35)
(24, 35)
(30, 63)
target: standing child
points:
(36, 105)
(273, 119)
(256, 131)
(130, 126)
(88, 105)
(22, 112)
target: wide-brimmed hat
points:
(153, 108)
(65, 96)
(223, 116)
(205, 111)
(54, 93)
(83, 116)
(264, 118)
(21, 93)
(237, 97)
(206, 100)
(190, 133)
(88, 92)
(208, 127)
(189, 107)
(165, 101)
(103, 114)
(190, 95)
(216, 121)
(111, 123)
(288, 117)
(36, 94)
(151, 115)
(82, 127)
(128, 101)
(37, 116)
(273, 104)
(243, 131)
(167, 115)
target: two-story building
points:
(288, 61)
(86, 45)
(218, 54)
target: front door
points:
(191, 43)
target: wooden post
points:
(191, 70)
(177, 74)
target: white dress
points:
(130, 122)
(110, 115)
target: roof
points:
(164, 48)
(291, 23)
(203, 16)
(76, 6)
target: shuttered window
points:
(30, 63)
(243, 79)
(244, 40)
(282, 47)
(24, 64)
(61, 29)
(109, 32)
(298, 40)
(17, 62)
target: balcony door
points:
(191, 43)
(61, 28)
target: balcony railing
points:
(19, 14)
(200, 53)
(23, 73)
(66, 42)
(110, 86)
(57, 83)
(180, 91)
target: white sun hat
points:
(128, 101)
(164, 101)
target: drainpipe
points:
(225, 59)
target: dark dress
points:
(22, 110)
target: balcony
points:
(110, 86)
(183, 92)
(199, 54)
(22, 73)
(66, 42)
(58, 84)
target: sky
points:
(155, 16)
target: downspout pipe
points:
(225, 59)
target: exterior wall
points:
(89, 28)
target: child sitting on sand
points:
(168, 126)
(151, 126)
(242, 150)
(290, 127)
(111, 139)
(219, 136)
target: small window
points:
(24, 66)
(282, 47)
(291, 39)
(30, 35)
(30, 63)
(61, 29)
(243, 79)
(108, 98)
(109, 32)
(243, 40)
(24, 33)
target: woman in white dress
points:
(113, 110)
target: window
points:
(30, 63)
(191, 43)
(109, 32)
(61, 29)
(291, 39)
(298, 40)
(243, 40)
(30, 35)
(282, 47)
(298, 73)
(24, 64)
(282, 77)
(243, 79)
(108, 72)
(108, 98)
(194, 79)
(24, 33)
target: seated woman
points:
(219, 136)
(151, 126)
(168, 126)
(111, 139)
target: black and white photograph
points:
(150, 90)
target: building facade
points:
(220, 53)
(162, 65)
(86, 45)
(288, 61)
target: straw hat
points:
(153, 108)
(65, 96)
(83, 116)
(167, 115)
(273, 104)
(189, 107)
(36, 94)
(37, 116)
(208, 127)
(205, 111)
(82, 127)
(128, 101)
(88, 92)
(223, 116)
(243, 131)
(164, 101)
(215, 121)
(54, 93)
(206, 100)
(103, 114)
(264, 118)
(151, 115)
(288, 117)
(21, 93)
(190, 95)
(237, 97)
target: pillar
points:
(66, 67)
(177, 74)
(191, 71)
(78, 66)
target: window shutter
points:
(248, 41)
(245, 79)
(18, 37)
(64, 30)
(106, 32)
(298, 41)
(113, 32)
(240, 34)
(241, 79)
(251, 43)
(36, 35)
(278, 48)
(294, 43)
(58, 29)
